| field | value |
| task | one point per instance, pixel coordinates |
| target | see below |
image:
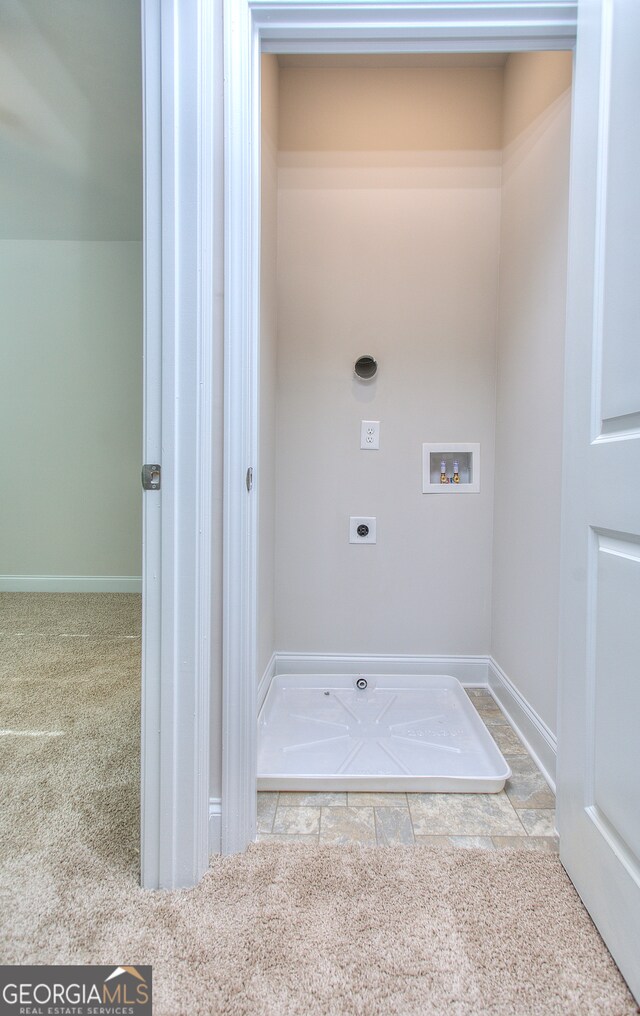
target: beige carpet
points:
(282, 930)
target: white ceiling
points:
(70, 119)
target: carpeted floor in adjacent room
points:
(280, 930)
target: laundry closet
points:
(413, 210)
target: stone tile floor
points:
(521, 816)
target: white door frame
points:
(302, 26)
(179, 123)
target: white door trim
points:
(304, 26)
(179, 70)
(431, 26)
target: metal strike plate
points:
(151, 476)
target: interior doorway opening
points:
(414, 210)
(71, 405)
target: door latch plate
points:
(151, 473)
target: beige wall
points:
(531, 313)
(388, 228)
(391, 109)
(532, 84)
(268, 353)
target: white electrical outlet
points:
(362, 530)
(370, 434)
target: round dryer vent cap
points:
(366, 368)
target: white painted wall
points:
(70, 410)
(531, 315)
(388, 228)
(71, 290)
(268, 356)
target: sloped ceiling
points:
(70, 119)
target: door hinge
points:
(151, 476)
(249, 478)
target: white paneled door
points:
(599, 728)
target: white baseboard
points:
(70, 584)
(540, 742)
(215, 825)
(469, 670)
(266, 679)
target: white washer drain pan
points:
(418, 734)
